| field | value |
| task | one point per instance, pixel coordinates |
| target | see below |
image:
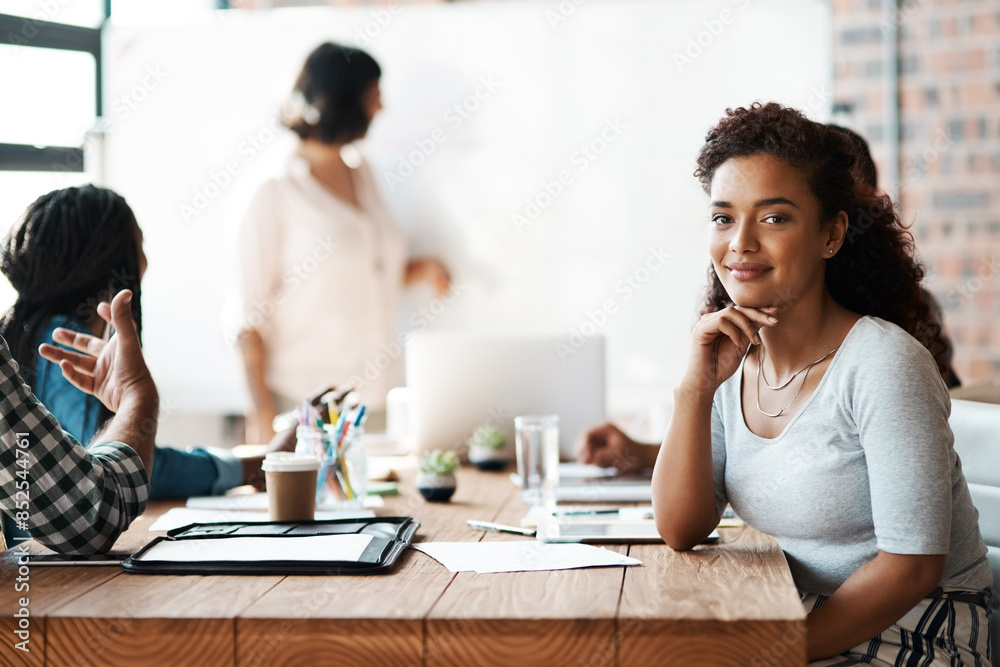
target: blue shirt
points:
(176, 472)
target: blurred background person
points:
(322, 264)
(866, 173)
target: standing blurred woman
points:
(322, 262)
(73, 249)
(811, 404)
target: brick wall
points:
(949, 92)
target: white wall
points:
(186, 100)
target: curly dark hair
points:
(333, 82)
(875, 272)
(72, 249)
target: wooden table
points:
(732, 603)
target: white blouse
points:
(321, 281)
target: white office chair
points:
(977, 441)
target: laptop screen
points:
(459, 381)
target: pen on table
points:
(500, 528)
(586, 512)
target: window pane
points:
(49, 96)
(86, 13)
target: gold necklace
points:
(806, 368)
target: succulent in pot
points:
(436, 481)
(488, 448)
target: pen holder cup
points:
(343, 472)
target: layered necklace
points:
(806, 368)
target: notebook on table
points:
(343, 546)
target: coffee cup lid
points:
(289, 462)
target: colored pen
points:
(500, 528)
(585, 512)
(361, 415)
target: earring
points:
(830, 250)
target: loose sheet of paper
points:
(311, 548)
(258, 502)
(182, 516)
(528, 556)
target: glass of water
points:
(536, 439)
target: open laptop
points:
(459, 381)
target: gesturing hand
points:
(110, 370)
(607, 446)
(431, 270)
(720, 340)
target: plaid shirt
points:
(72, 500)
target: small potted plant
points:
(436, 481)
(487, 448)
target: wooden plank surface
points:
(733, 603)
(369, 620)
(154, 620)
(678, 608)
(525, 618)
(48, 589)
(54, 587)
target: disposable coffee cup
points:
(291, 485)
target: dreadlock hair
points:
(72, 249)
(875, 272)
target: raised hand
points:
(110, 370)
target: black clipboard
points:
(389, 537)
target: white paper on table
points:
(373, 502)
(257, 502)
(309, 548)
(527, 556)
(182, 516)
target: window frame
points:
(37, 33)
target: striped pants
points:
(938, 631)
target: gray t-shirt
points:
(866, 465)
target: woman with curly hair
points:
(812, 405)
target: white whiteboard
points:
(561, 76)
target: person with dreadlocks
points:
(814, 403)
(73, 249)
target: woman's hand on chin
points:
(719, 342)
